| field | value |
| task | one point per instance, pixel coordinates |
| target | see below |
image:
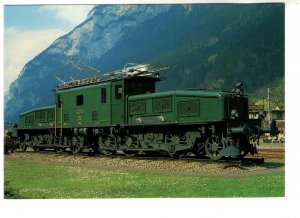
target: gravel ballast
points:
(184, 166)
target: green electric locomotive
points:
(120, 111)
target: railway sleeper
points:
(249, 161)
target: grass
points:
(35, 180)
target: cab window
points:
(79, 100)
(118, 91)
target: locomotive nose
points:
(247, 130)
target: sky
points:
(30, 29)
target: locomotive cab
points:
(100, 101)
(141, 85)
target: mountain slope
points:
(206, 45)
(227, 45)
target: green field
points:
(37, 180)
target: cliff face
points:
(103, 28)
(204, 45)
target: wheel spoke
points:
(108, 146)
(76, 146)
(131, 142)
(213, 146)
(23, 146)
(174, 140)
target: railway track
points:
(190, 165)
(185, 166)
(278, 154)
(227, 162)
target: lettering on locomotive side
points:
(79, 114)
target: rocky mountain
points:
(205, 45)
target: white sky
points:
(28, 35)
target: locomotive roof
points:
(129, 71)
(82, 87)
(203, 93)
(37, 109)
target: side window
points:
(137, 107)
(188, 108)
(194, 108)
(167, 104)
(157, 105)
(133, 107)
(29, 120)
(118, 91)
(79, 100)
(38, 116)
(182, 108)
(58, 101)
(162, 105)
(42, 116)
(103, 95)
(50, 115)
(141, 107)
